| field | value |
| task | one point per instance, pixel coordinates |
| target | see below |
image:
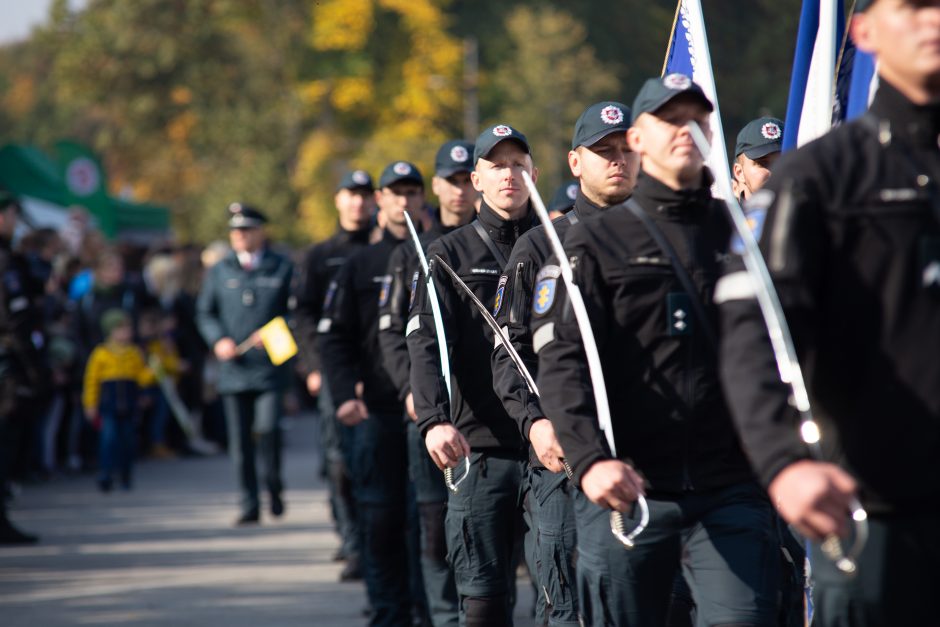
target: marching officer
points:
(239, 295)
(606, 170)
(756, 150)
(483, 520)
(355, 207)
(850, 227)
(647, 270)
(453, 188)
(349, 344)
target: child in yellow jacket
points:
(114, 374)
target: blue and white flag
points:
(812, 83)
(688, 54)
(857, 82)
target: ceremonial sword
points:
(441, 343)
(593, 358)
(788, 364)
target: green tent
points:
(77, 180)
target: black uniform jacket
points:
(852, 238)
(348, 330)
(317, 273)
(405, 270)
(669, 415)
(477, 411)
(23, 371)
(512, 311)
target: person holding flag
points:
(647, 271)
(240, 295)
(850, 226)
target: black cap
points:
(453, 157)
(565, 196)
(600, 120)
(356, 179)
(656, 92)
(495, 134)
(245, 217)
(760, 138)
(398, 172)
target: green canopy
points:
(27, 171)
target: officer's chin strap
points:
(441, 343)
(617, 526)
(787, 363)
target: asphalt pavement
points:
(166, 552)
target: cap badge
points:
(572, 191)
(235, 207)
(677, 81)
(459, 154)
(771, 131)
(401, 168)
(611, 115)
(502, 131)
(360, 178)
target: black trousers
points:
(253, 420)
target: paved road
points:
(166, 553)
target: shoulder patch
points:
(500, 289)
(386, 290)
(550, 271)
(330, 294)
(543, 296)
(756, 216)
(414, 289)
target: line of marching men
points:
(704, 429)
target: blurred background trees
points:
(196, 103)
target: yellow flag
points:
(278, 341)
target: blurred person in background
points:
(240, 294)
(24, 379)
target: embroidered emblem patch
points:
(459, 154)
(360, 178)
(572, 191)
(500, 289)
(386, 290)
(771, 131)
(414, 290)
(611, 115)
(677, 81)
(755, 222)
(401, 168)
(546, 282)
(502, 131)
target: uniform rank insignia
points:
(545, 284)
(498, 303)
(330, 293)
(386, 290)
(414, 290)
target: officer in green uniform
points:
(240, 294)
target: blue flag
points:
(687, 53)
(810, 102)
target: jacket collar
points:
(584, 208)
(359, 236)
(660, 199)
(504, 231)
(917, 125)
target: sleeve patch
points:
(500, 290)
(414, 290)
(734, 286)
(386, 290)
(385, 322)
(413, 325)
(543, 297)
